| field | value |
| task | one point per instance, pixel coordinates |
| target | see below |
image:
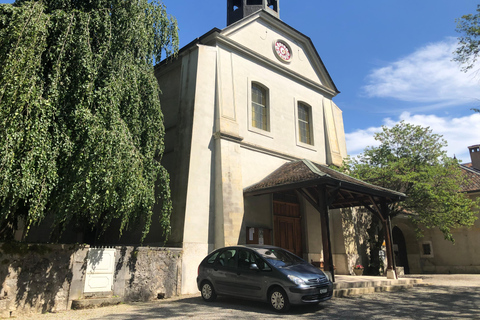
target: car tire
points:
(278, 299)
(207, 291)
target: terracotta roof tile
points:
(473, 178)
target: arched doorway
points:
(400, 249)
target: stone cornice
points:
(226, 136)
(253, 147)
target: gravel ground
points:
(445, 297)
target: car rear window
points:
(212, 258)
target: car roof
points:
(262, 246)
(252, 246)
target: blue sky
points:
(390, 59)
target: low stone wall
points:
(34, 278)
(46, 278)
(148, 273)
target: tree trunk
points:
(376, 236)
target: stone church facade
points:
(240, 103)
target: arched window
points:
(304, 123)
(259, 107)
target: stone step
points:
(90, 303)
(366, 290)
(375, 283)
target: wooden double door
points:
(287, 226)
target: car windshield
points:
(278, 257)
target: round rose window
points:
(283, 51)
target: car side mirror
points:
(254, 266)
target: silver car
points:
(264, 273)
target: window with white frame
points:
(305, 123)
(260, 109)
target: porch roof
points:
(304, 174)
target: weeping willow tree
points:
(81, 128)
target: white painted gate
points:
(100, 269)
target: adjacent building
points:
(432, 253)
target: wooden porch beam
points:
(355, 200)
(375, 211)
(321, 206)
(325, 221)
(388, 239)
(309, 198)
(333, 195)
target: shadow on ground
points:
(435, 302)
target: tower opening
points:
(273, 4)
(239, 9)
(237, 4)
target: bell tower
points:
(239, 9)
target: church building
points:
(251, 130)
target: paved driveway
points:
(440, 300)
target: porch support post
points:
(325, 221)
(391, 272)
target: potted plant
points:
(358, 270)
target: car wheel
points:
(208, 293)
(279, 300)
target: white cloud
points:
(460, 133)
(428, 75)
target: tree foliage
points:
(468, 49)
(81, 128)
(411, 159)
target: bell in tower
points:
(239, 9)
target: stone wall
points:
(46, 278)
(34, 277)
(148, 273)
(355, 224)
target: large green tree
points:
(412, 159)
(81, 128)
(468, 49)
